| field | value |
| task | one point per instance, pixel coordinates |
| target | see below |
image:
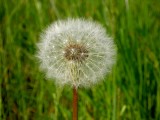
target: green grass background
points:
(130, 92)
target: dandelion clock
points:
(77, 53)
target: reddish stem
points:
(75, 104)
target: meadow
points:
(130, 92)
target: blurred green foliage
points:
(130, 92)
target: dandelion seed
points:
(76, 52)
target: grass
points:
(130, 92)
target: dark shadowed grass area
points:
(130, 92)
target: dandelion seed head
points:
(76, 52)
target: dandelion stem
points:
(75, 103)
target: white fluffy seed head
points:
(76, 52)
